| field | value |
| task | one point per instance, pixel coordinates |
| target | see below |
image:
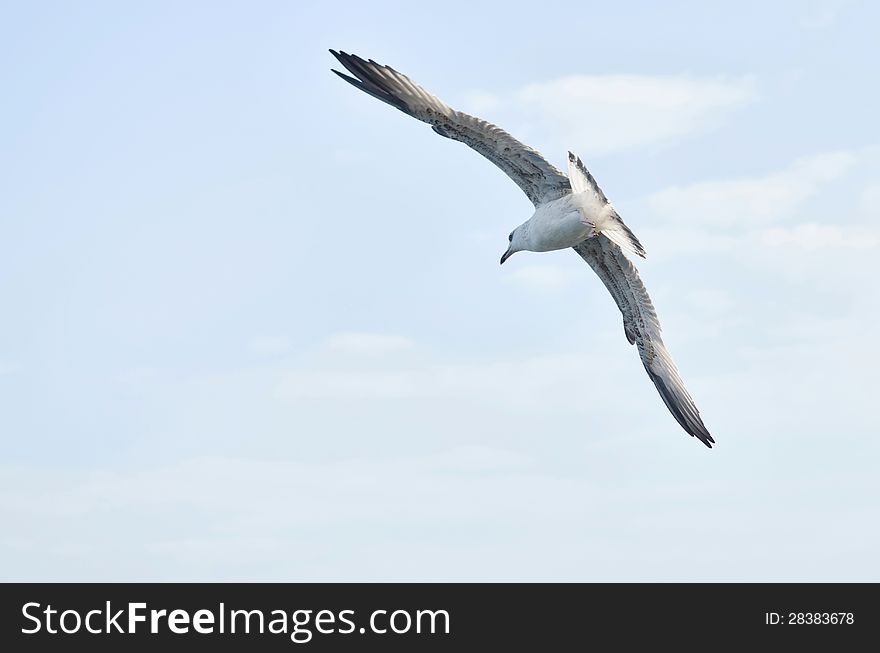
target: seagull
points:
(570, 211)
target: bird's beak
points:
(505, 256)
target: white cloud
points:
(811, 236)
(273, 506)
(401, 519)
(869, 202)
(368, 344)
(809, 223)
(539, 381)
(753, 244)
(597, 114)
(562, 446)
(757, 200)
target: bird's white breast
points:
(559, 224)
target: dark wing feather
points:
(642, 328)
(538, 179)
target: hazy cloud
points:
(530, 382)
(869, 202)
(811, 236)
(748, 201)
(598, 114)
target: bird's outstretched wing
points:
(642, 328)
(538, 179)
(607, 220)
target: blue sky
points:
(255, 328)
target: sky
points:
(254, 326)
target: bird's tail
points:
(612, 226)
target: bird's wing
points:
(539, 180)
(607, 220)
(642, 328)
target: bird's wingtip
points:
(703, 436)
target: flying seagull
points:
(570, 211)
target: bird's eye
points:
(510, 237)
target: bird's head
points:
(515, 240)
